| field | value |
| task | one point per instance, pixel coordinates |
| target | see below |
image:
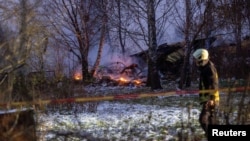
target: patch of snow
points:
(14, 110)
(119, 120)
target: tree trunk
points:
(185, 72)
(153, 79)
(209, 19)
(237, 32)
(6, 88)
(101, 42)
(153, 76)
(121, 40)
(85, 72)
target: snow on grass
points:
(123, 121)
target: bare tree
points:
(139, 29)
(185, 70)
(247, 14)
(120, 21)
(192, 26)
(79, 26)
(16, 46)
(153, 76)
(103, 7)
(120, 33)
(232, 13)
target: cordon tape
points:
(117, 97)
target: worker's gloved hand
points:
(210, 105)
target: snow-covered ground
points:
(116, 120)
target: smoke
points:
(109, 55)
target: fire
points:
(122, 79)
(119, 79)
(78, 76)
(137, 82)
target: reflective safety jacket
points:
(208, 81)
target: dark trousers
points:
(207, 117)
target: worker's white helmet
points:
(201, 54)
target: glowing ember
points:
(78, 76)
(137, 82)
(123, 79)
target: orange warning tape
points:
(117, 97)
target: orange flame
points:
(78, 76)
(122, 79)
(137, 82)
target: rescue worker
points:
(208, 81)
